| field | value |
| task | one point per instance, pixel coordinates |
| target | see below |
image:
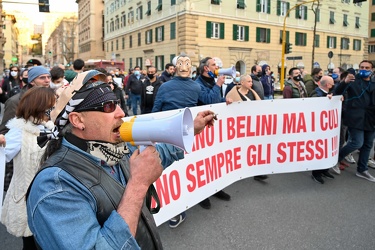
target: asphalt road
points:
(287, 211)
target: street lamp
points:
(282, 77)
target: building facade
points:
(11, 48)
(239, 32)
(62, 45)
(90, 29)
(371, 32)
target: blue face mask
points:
(211, 74)
(137, 73)
(334, 76)
(238, 79)
(364, 73)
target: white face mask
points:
(13, 73)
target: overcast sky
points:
(55, 6)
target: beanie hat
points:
(36, 71)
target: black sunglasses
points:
(106, 107)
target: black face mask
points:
(259, 74)
(317, 78)
(297, 78)
(25, 80)
(150, 76)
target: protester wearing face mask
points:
(118, 92)
(194, 75)
(336, 73)
(294, 87)
(134, 87)
(235, 82)
(150, 88)
(256, 74)
(359, 116)
(312, 81)
(12, 84)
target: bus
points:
(105, 64)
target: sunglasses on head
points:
(106, 107)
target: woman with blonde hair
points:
(32, 119)
(244, 91)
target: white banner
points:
(2, 175)
(249, 139)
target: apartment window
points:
(173, 31)
(300, 39)
(317, 41)
(112, 26)
(138, 61)
(123, 42)
(107, 47)
(301, 12)
(139, 38)
(282, 8)
(371, 48)
(317, 13)
(263, 35)
(356, 44)
(117, 23)
(372, 32)
(130, 41)
(331, 42)
(372, 17)
(148, 12)
(240, 33)
(263, 6)
(344, 43)
(214, 30)
(345, 20)
(171, 57)
(159, 32)
(139, 13)
(217, 2)
(345, 1)
(241, 4)
(130, 63)
(331, 17)
(148, 36)
(286, 36)
(116, 44)
(123, 20)
(131, 17)
(373, 2)
(159, 7)
(357, 25)
(111, 45)
(159, 63)
(173, 2)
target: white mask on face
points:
(13, 73)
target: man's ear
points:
(76, 119)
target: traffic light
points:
(43, 5)
(288, 48)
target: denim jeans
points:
(135, 99)
(268, 97)
(362, 140)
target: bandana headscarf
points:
(72, 95)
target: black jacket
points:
(146, 105)
(359, 104)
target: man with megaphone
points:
(89, 192)
(210, 94)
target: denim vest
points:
(106, 190)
